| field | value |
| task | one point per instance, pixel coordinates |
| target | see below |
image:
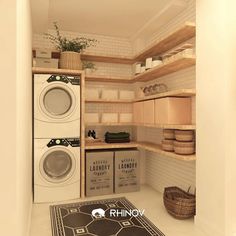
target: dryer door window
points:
(57, 166)
(57, 101)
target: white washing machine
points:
(56, 169)
(56, 106)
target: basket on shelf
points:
(179, 203)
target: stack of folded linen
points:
(121, 137)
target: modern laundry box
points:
(99, 173)
(127, 171)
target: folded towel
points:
(119, 135)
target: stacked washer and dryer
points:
(56, 137)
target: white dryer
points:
(56, 106)
(56, 169)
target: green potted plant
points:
(89, 67)
(70, 49)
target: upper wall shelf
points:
(173, 93)
(143, 145)
(187, 31)
(99, 78)
(184, 33)
(165, 69)
(39, 70)
(107, 59)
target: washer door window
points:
(57, 165)
(57, 101)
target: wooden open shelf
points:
(143, 145)
(167, 126)
(108, 101)
(162, 126)
(107, 59)
(184, 33)
(165, 69)
(99, 78)
(157, 149)
(173, 93)
(103, 145)
(40, 70)
(109, 124)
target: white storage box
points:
(43, 53)
(126, 117)
(99, 173)
(91, 94)
(45, 63)
(110, 94)
(109, 118)
(127, 171)
(91, 118)
(127, 94)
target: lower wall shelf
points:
(142, 145)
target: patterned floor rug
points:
(109, 217)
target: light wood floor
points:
(147, 199)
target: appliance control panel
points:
(73, 142)
(74, 80)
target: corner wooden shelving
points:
(165, 69)
(173, 93)
(107, 59)
(184, 33)
(99, 78)
(167, 126)
(143, 145)
(157, 149)
(40, 70)
(109, 124)
(107, 101)
(103, 145)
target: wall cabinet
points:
(138, 112)
(171, 110)
(148, 112)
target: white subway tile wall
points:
(160, 170)
(157, 171)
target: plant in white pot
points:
(70, 49)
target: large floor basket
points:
(179, 203)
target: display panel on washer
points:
(56, 104)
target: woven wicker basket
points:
(70, 60)
(179, 204)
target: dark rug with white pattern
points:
(109, 217)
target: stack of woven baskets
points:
(178, 203)
(179, 141)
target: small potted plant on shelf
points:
(89, 67)
(70, 49)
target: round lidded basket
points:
(168, 134)
(168, 145)
(70, 60)
(184, 148)
(184, 135)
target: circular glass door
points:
(57, 165)
(57, 101)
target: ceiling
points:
(120, 18)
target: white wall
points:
(15, 125)
(24, 116)
(8, 117)
(216, 114)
